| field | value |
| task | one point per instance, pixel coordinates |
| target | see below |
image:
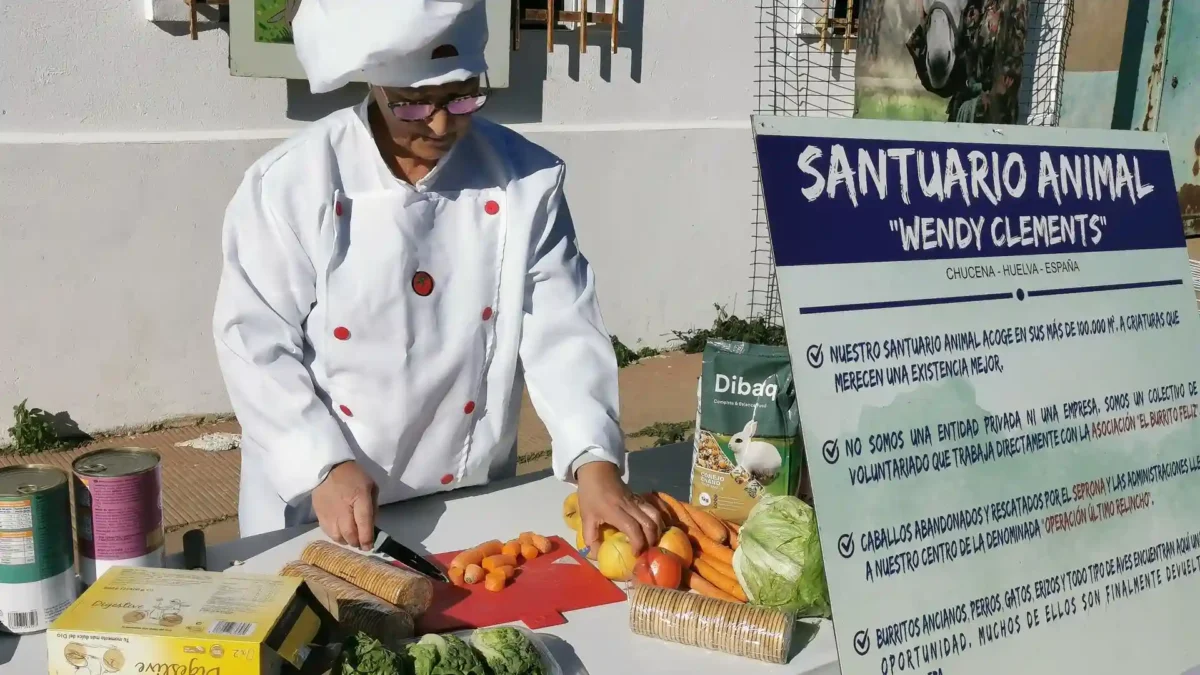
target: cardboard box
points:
(143, 620)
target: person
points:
(393, 275)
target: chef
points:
(393, 275)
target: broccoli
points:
(444, 655)
(508, 652)
(364, 655)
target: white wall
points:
(121, 141)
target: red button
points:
(487, 313)
(447, 479)
(491, 208)
(341, 333)
(337, 208)
(345, 411)
(422, 284)
(469, 407)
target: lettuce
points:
(778, 560)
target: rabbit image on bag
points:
(759, 458)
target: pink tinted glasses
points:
(417, 112)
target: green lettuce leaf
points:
(778, 561)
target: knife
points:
(195, 553)
(399, 552)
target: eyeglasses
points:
(419, 112)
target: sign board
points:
(997, 357)
(260, 40)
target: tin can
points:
(37, 561)
(118, 510)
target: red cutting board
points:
(543, 588)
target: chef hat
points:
(391, 43)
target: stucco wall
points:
(121, 142)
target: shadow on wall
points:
(522, 101)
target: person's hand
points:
(605, 499)
(345, 504)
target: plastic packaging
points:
(357, 609)
(408, 590)
(700, 621)
(552, 666)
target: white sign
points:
(997, 358)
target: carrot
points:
(722, 567)
(493, 561)
(714, 576)
(507, 570)
(493, 547)
(712, 548)
(529, 551)
(678, 511)
(473, 574)
(708, 524)
(734, 534)
(495, 581)
(526, 537)
(471, 556)
(512, 548)
(542, 544)
(697, 583)
(456, 575)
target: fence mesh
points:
(805, 68)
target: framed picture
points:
(260, 39)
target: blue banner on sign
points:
(847, 200)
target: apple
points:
(659, 567)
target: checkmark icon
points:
(846, 545)
(829, 450)
(862, 643)
(816, 357)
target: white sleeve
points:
(566, 353)
(267, 288)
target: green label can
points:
(37, 562)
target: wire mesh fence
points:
(806, 56)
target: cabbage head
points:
(778, 559)
(444, 655)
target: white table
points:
(595, 640)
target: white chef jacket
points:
(363, 318)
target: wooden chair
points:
(192, 30)
(581, 18)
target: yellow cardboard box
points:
(178, 622)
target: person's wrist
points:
(599, 470)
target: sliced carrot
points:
(697, 583)
(495, 581)
(473, 574)
(529, 551)
(714, 576)
(493, 561)
(493, 547)
(678, 511)
(712, 548)
(710, 525)
(507, 570)
(512, 548)
(542, 544)
(456, 575)
(526, 537)
(471, 556)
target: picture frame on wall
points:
(260, 40)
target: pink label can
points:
(118, 510)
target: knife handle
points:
(195, 553)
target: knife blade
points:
(393, 549)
